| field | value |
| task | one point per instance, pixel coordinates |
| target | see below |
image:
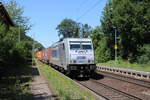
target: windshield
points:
(78, 46)
(83, 45)
(86, 47)
(75, 46)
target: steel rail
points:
(117, 91)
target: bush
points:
(13, 54)
(102, 53)
(144, 57)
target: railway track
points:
(107, 92)
(142, 83)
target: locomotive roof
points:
(71, 39)
(78, 39)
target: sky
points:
(45, 15)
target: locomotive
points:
(75, 56)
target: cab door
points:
(62, 55)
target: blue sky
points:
(45, 15)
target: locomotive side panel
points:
(55, 57)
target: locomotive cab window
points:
(74, 46)
(86, 47)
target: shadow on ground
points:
(14, 83)
(44, 96)
(95, 76)
(35, 72)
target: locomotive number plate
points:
(81, 57)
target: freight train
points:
(75, 56)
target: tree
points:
(16, 13)
(103, 53)
(96, 35)
(101, 46)
(14, 53)
(86, 30)
(68, 28)
(131, 19)
(21, 22)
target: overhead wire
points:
(84, 2)
(88, 10)
(81, 6)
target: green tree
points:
(131, 19)
(85, 30)
(144, 57)
(16, 13)
(101, 46)
(68, 28)
(8, 48)
(96, 35)
(103, 53)
(12, 52)
(22, 22)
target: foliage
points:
(12, 52)
(131, 19)
(144, 57)
(68, 28)
(13, 66)
(103, 54)
(101, 46)
(85, 31)
(96, 35)
(16, 13)
(15, 53)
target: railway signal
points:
(115, 47)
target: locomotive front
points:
(81, 57)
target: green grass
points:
(65, 88)
(14, 84)
(126, 64)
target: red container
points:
(39, 55)
(46, 55)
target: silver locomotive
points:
(74, 56)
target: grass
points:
(66, 89)
(126, 64)
(14, 84)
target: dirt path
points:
(40, 88)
